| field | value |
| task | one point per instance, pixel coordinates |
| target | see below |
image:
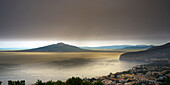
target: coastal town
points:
(156, 73)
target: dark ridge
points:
(59, 47)
(157, 52)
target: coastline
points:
(151, 73)
(155, 73)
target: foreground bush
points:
(70, 81)
(39, 82)
(22, 82)
(74, 81)
(98, 83)
(86, 83)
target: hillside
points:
(162, 51)
(138, 47)
(59, 47)
(120, 47)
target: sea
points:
(31, 66)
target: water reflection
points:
(73, 62)
(58, 66)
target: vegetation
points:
(22, 82)
(98, 83)
(70, 81)
(166, 81)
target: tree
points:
(74, 81)
(86, 83)
(50, 83)
(59, 83)
(10, 82)
(22, 82)
(39, 82)
(98, 83)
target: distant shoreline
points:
(66, 52)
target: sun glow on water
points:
(59, 66)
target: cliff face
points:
(162, 51)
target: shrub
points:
(98, 83)
(74, 81)
(86, 83)
(22, 82)
(49, 83)
(59, 83)
(39, 82)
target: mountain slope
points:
(59, 47)
(162, 51)
(120, 47)
(107, 47)
(138, 47)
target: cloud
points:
(84, 20)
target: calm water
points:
(58, 66)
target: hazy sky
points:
(84, 22)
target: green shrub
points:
(98, 83)
(70, 81)
(49, 83)
(74, 81)
(59, 83)
(22, 82)
(86, 83)
(39, 82)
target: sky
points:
(35, 23)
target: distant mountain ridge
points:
(59, 47)
(139, 47)
(120, 47)
(113, 47)
(162, 51)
